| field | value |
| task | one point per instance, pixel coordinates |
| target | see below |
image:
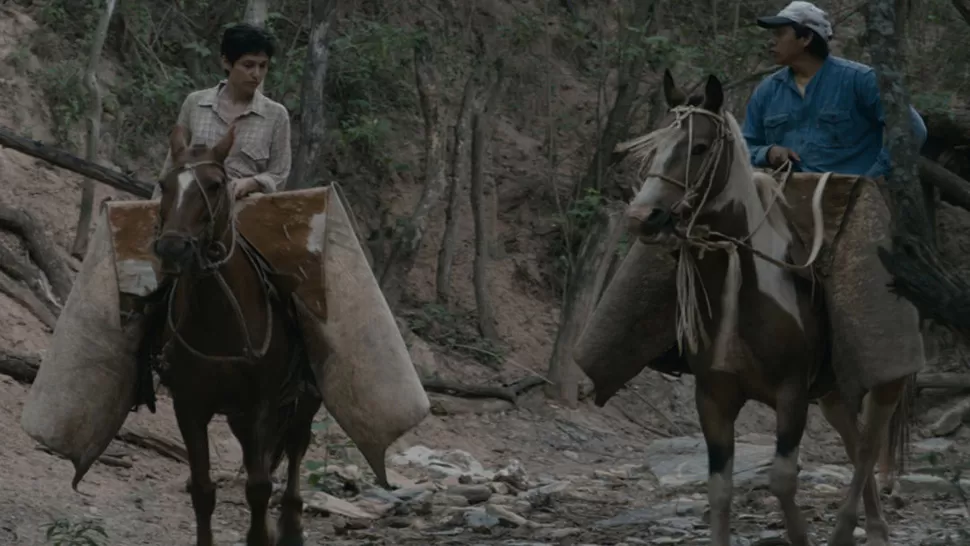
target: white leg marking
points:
(185, 180)
(719, 492)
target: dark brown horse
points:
(224, 340)
(739, 283)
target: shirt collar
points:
(256, 106)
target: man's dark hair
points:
(243, 39)
(818, 47)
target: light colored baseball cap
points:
(804, 13)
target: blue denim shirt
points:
(837, 126)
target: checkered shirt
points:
(262, 146)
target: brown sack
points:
(634, 322)
(369, 384)
(875, 334)
(86, 383)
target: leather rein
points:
(210, 256)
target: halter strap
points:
(203, 247)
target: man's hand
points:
(777, 155)
(241, 187)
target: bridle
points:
(708, 167)
(207, 249)
(703, 239)
(210, 255)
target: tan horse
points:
(223, 331)
(735, 240)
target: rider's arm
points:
(754, 129)
(872, 102)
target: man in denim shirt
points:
(824, 113)
(821, 111)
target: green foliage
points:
(63, 532)
(455, 331)
(371, 74)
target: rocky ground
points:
(533, 475)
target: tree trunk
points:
(918, 273)
(256, 14)
(457, 185)
(481, 136)
(408, 241)
(312, 111)
(583, 289)
(628, 83)
(83, 230)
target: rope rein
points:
(701, 238)
(210, 256)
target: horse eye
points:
(698, 149)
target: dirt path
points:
(555, 476)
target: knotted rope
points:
(701, 239)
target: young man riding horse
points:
(261, 156)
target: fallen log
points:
(20, 366)
(160, 445)
(943, 381)
(953, 188)
(65, 160)
(26, 298)
(467, 391)
(42, 250)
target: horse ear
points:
(674, 96)
(713, 94)
(178, 140)
(221, 150)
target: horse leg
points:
(257, 459)
(845, 423)
(792, 415)
(717, 410)
(879, 407)
(194, 429)
(290, 523)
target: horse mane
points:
(768, 189)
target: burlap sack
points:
(633, 325)
(875, 335)
(360, 360)
(86, 383)
(368, 382)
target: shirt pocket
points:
(255, 156)
(835, 129)
(776, 125)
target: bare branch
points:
(408, 241)
(83, 230)
(312, 108)
(457, 185)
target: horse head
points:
(195, 213)
(688, 160)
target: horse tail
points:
(897, 448)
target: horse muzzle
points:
(173, 249)
(648, 222)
